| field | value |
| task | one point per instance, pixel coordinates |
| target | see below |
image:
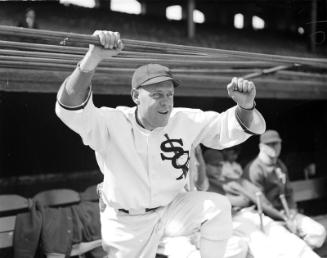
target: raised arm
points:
(75, 89)
(243, 93)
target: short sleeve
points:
(255, 175)
(87, 121)
(225, 130)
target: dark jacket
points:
(55, 230)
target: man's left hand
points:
(242, 92)
(293, 213)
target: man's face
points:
(213, 160)
(155, 103)
(30, 14)
(230, 155)
(276, 147)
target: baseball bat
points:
(282, 178)
(260, 212)
(269, 71)
(285, 205)
(65, 38)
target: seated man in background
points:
(29, 20)
(265, 237)
(230, 167)
(269, 173)
(188, 246)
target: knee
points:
(220, 203)
(236, 247)
(218, 223)
(317, 239)
(223, 208)
(105, 247)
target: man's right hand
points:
(111, 45)
(291, 225)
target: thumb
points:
(232, 86)
(120, 45)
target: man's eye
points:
(155, 95)
(170, 94)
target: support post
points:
(190, 20)
(313, 25)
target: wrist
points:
(89, 62)
(84, 69)
(283, 215)
(252, 107)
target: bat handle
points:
(259, 206)
(285, 205)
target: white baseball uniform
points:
(147, 169)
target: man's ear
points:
(135, 96)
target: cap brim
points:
(272, 140)
(160, 79)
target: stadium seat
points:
(10, 205)
(57, 197)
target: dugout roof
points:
(42, 65)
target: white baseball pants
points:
(129, 236)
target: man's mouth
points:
(163, 112)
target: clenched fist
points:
(110, 40)
(111, 45)
(242, 92)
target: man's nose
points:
(166, 101)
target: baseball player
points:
(143, 153)
(261, 230)
(269, 173)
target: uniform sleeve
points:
(238, 200)
(87, 121)
(254, 174)
(204, 186)
(225, 129)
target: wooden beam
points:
(45, 181)
(130, 63)
(159, 48)
(37, 81)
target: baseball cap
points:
(151, 74)
(270, 136)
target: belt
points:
(139, 211)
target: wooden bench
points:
(14, 204)
(313, 189)
(305, 190)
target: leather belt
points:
(137, 212)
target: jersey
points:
(272, 179)
(146, 169)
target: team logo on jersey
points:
(179, 157)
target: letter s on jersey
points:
(179, 157)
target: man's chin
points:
(162, 123)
